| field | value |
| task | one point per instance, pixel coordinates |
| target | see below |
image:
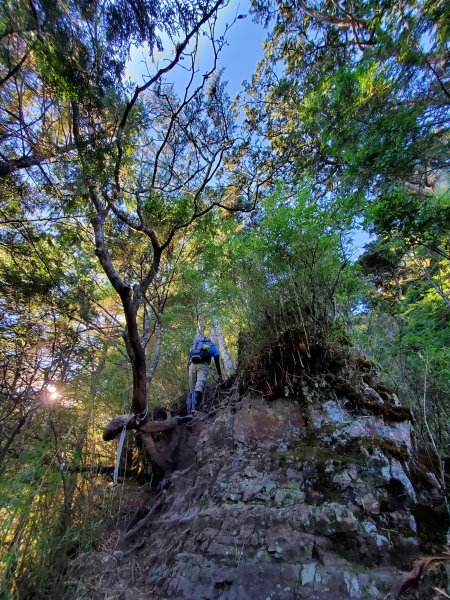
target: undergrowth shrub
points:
(413, 355)
(292, 272)
(55, 494)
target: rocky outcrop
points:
(315, 495)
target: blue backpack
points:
(199, 353)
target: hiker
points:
(203, 349)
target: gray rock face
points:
(286, 502)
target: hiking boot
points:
(197, 399)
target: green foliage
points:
(360, 103)
(51, 491)
(291, 271)
(114, 386)
(50, 449)
(412, 353)
(411, 218)
(162, 212)
(356, 125)
(406, 328)
(360, 107)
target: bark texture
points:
(219, 338)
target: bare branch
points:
(10, 166)
(322, 18)
(16, 68)
(139, 89)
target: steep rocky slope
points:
(317, 494)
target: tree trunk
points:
(218, 337)
(200, 322)
(136, 352)
(23, 424)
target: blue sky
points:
(245, 47)
(239, 57)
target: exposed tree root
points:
(128, 535)
(115, 426)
